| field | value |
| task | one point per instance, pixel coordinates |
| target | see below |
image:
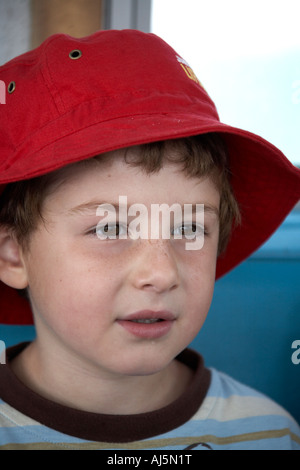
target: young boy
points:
(97, 134)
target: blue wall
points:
(254, 318)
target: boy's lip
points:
(148, 330)
(150, 315)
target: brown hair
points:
(21, 204)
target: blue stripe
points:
(34, 433)
(233, 427)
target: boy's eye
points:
(189, 230)
(109, 231)
(113, 231)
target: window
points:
(247, 55)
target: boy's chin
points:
(146, 364)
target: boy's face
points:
(86, 292)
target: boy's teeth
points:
(150, 320)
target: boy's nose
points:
(155, 267)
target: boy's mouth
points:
(149, 320)
(148, 324)
(150, 316)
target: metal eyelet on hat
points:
(75, 54)
(11, 87)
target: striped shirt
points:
(215, 413)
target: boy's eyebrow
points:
(92, 206)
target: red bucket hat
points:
(71, 99)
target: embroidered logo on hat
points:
(188, 70)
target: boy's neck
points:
(79, 389)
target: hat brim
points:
(265, 183)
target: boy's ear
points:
(12, 267)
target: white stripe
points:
(9, 417)
(238, 407)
